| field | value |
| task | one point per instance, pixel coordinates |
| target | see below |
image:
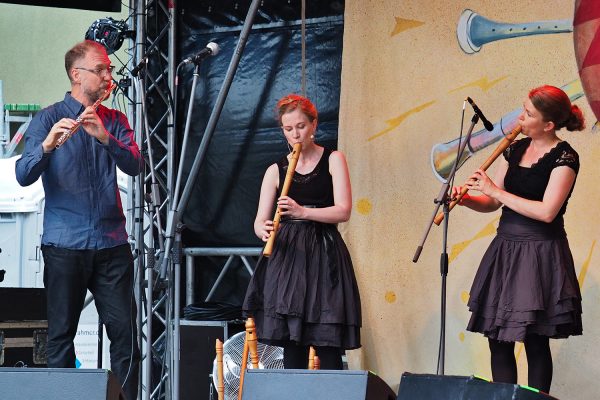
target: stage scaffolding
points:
(158, 197)
(154, 24)
(155, 201)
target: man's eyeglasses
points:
(99, 71)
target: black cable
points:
(212, 311)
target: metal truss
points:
(154, 25)
(157, 243)
(158, 197)
(245, 255)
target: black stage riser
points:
(58, 384)
(297, 384)
(440, 387)
(22, 304)
(23, 327)
(197, 343)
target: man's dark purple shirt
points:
(82, 205)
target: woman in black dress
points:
(305, 294)
(526, 288)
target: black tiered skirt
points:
(526, 284)
(306, 292)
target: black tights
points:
(296, 357)
(539, 361)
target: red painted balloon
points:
(586, 37)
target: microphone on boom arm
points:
(488, 125)
(211, 49)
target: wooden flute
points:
(506, 141)
(284, 191)
(67, 134)
(220, 382)
(251, 348)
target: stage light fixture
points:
(109, 33)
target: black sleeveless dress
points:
(306, 292)
(526, 282)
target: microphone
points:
(488, 125)
(136, 70)
(142, 64)
(211, 49)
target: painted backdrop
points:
(407, 68)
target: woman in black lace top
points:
(305, 294)
(526, 288)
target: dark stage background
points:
(247, 139)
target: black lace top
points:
(530, 183)
(314, 188)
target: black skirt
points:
(306, 292)
(526, 284)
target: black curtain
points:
(248, 139)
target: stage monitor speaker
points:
(442, 387)
(59, 384)
(197, 344)
(301, 384)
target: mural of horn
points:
(444, 154)
(473, 30)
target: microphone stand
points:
(444, 199)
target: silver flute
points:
(67, 134)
